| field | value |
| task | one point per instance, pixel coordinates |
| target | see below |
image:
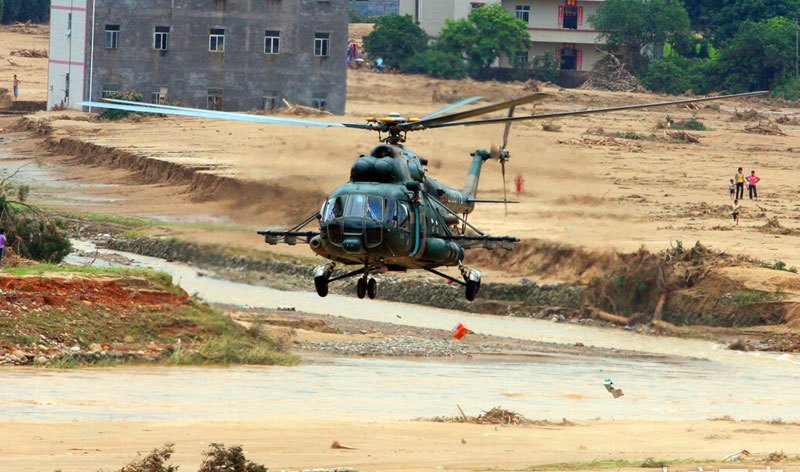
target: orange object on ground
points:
(460, 331)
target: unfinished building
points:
(216, 54)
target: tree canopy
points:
(36, 11)
(722, 18)
(759, 56)
(628, 26)
(396, 38)
(484, 35)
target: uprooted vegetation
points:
(683, 286)
(497, 416)
(67, 316)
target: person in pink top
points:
(2, 243)
(752, 180)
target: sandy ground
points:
(32, 72)
(394, 446)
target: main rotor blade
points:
(432, 122)
(452, 106)
(562, 114)
(138, 107)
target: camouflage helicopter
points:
(391, 216)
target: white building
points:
(557, 26)
(66, 78)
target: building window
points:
(570, 16)
(320, 101)
(322, 43)
(161, 38)
(523, 13)
(216, 40)
(476, 5)
(214, 99)
(270, 100)
(272, 42)
(159, 96)
(521, 60)
(112, 36)
(109, 90)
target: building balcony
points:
(564, 35)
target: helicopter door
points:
(405, 223)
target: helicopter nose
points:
(353, 244)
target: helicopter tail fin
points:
(474, 174)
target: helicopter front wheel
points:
(361, 288)
(321, 284)
(372, 288)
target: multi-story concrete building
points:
(217, 54)
(373, 8)
(556, 26)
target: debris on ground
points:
(777, 456)
(666, 123)
(338, 445)
(774, 226)
(609, 73)
(737, 456)
(551, 127)
(768, 127)
(29, 52)
(301, 110)
(459, 331)
(26, 28)
(498, 416)
(155, 461)
(787, 120)
(748, 115)
(682, 137)
(609, 385)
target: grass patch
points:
(159, 278)
(601, 464)
(117, 220)
(750, 296)
(691, 124)
(233, 349)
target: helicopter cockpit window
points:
(334, 208)
(390, 210)
(356, 206)
(402, 215)
(375, 208)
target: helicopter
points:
(391, 216)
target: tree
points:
(484, 35)
(437, 63)
(395, 38)
(24, 10)
(759, 56)
(722, 18)
(630, 26)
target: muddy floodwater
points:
(704, 382)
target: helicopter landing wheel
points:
(472, 289)
(361, 288)
(372, 288)
(321, 284)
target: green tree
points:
(395, 38)
(484, 35)
(759, 56)
(629, 26)
(677, 75)
(722, 18)
(24, 10)
(437, 63)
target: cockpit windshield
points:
(356, 206)
(371, 207)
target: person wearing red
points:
(752, 180)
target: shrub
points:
(113, 115)
(789, 90)
(437, 63)
(545, 67)
(692, 124)
(677, 74)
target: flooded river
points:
(706, 382)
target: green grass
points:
(160, 278)
(133, 223)
(750, 296)
(691, 124)
(232, 349)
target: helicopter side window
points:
(402, 215)
(375, 208)
(356, 206)
(390, 213)
(335, 208)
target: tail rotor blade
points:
(507, 131)
(505, 196)
(504, 158)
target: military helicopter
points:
(391, 216)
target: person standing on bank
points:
(16, 87)
(752, 180)
(739, 178)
